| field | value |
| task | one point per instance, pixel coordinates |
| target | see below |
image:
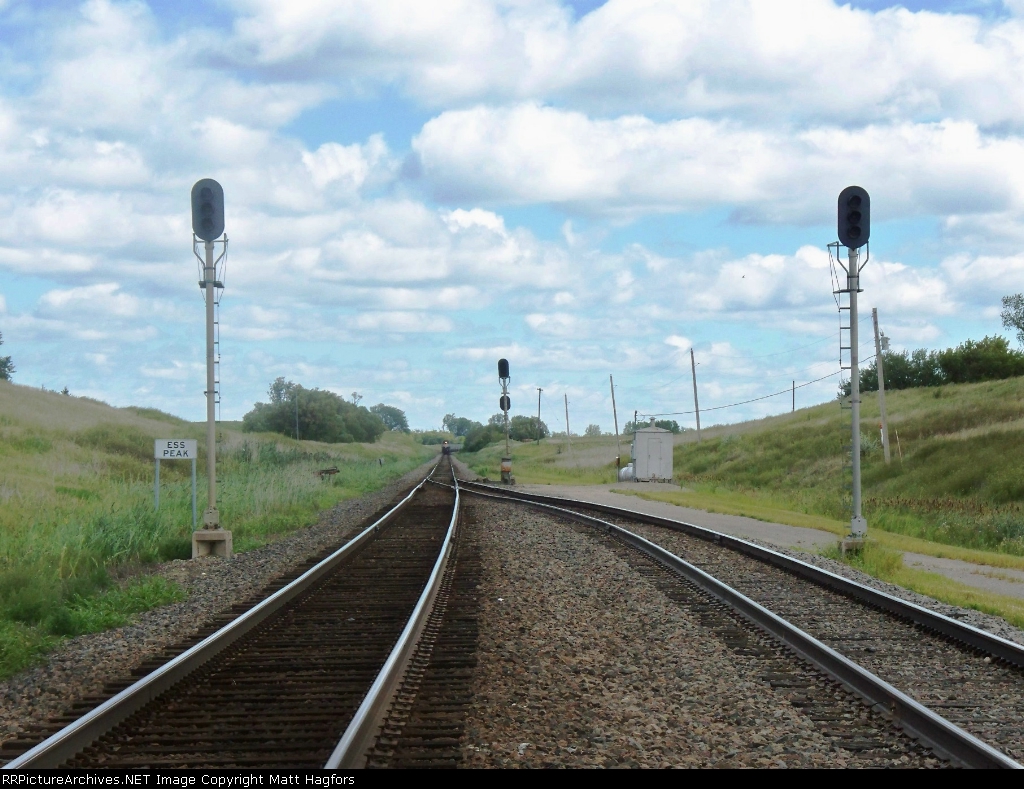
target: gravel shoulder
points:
(81, 666)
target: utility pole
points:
(793, 411)
(568, 435)
(696, 405)
(881, 385)
(615, 418)
(539, 390)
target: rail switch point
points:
(211, 542)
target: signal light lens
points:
(853, 217)
(854, 202)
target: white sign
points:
(175, 449)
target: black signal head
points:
(208, 209)
(854, 217)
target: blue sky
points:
(414, 190)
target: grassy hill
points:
(76, 504)
(954, 488)
(956, 476)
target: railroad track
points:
(303, 679)
(907, 662)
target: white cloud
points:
(529, 153)
(742, 57)
(104, 299)
(349, 165)
(403, 322)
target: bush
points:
(972, 361)
(527, 428)
(480, 437)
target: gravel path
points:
(585, 661)
(81, 666)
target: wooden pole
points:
(696, 405)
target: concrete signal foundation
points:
(211, 542)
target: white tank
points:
(626, 473)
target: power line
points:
(787, 390)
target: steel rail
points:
(362, 731)
(945, 738)
(985, 642)
(77, 736)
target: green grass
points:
(591, 462)
(886, 564)
(76, 500)
(959, 481)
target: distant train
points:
(446, 448)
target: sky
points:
(414, 190)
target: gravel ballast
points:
(584, 661)
(81, 666)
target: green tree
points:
(988, 359)
(458, 425)
(526, 428)
(480, 437)
(1013, 314)
(323, 415)
(592, 431)
(393, 418)
(281, 390)
(6, 365)
(668, 424)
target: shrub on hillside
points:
(321, 415)
(989, 359)
(480, 437)
(527, 428)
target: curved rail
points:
(989, 643)
(941, 735)
(78, 735)
(362, 731)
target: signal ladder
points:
(841, 294)
(216, 349)
(220, 270)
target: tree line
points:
(319, 415)
(989, 359)
(476, 435)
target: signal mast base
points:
(211, 542)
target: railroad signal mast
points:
(854, 224)
(208, 229)
(505, 403)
